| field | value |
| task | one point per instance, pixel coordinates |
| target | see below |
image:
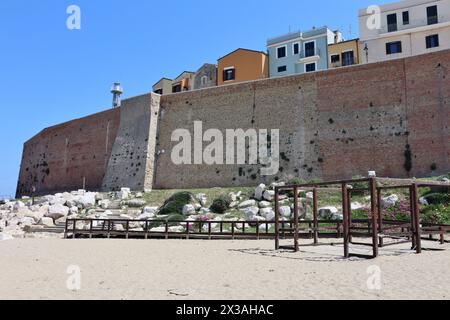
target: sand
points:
(179, 269)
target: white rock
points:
(390, 201)
(177, 229)
(246, 204)
(18, 205)
(118, 227)
(423, 201)
(257, 218)
(259, 191)
(151, 210)
(269, 195)
(48, 222)
(87, 200)
(250, 212)
(234, 204)
(124, 193)
(265, 204)
(267, 213)
(201, 197)
(232, 196)
(197, 206)
(57, 211)
(27, 221)
(204, 211)
(108, 213)
(158, 229)
(146, 216)
(310, 195)
(262, 227)
(273, 185)
(285, 211)
(73, 210)
(356, 206)
(188, 209)
(104, 204)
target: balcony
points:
(309, 55)
(418, 23)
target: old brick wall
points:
(333, 124)
(60, 157)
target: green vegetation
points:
(221, 204)
(174, 205)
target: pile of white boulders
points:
(28, 215)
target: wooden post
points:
(417, 218)
(128, 229)
(315, 216)
(90, 229)
(66, 228)
(232, 230)
(442, 238)
(257, 230)
(109, 229)
(74, 229)
(167, 230)
(296, 230)
(187, 230)
(349, 210)
(277, 220)
(380, 216)
(146, 229)
(373, 210)
(412, 211)
(209, 230)
(345, 224)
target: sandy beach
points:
(177, 269)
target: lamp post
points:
(116, 90)
(366, 50)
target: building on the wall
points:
(184, 82)
(206, 76)
(163, 86)
(407, 28)
(242, 65)
(300, 52)
(343, 54)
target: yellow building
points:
(184, 82)
(342, 54)
(242, 65)
(163, 86)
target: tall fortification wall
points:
(391, 117)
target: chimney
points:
(116, 90)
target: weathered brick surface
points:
(333, 124)
(58, 158)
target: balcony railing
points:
(309, 53)
(399, 26)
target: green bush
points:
(359, 185)
(176, 203)
(296, 181)
(438, 198)
(221, 204)
(436, 214)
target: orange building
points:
(242, 65)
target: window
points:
(432, 15)
(335, 58)
(310, 49)
(348, 58)
(176, 88)
(405, 17)
(159, 91)
(296, 48)
(282, 69)
(204, 80)
(394, 47)
(281, 52)
(310, 67)
(229, 74)
(432, 41)
(392, 22)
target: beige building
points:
(407, 28)
(184, 82)
(343, 54)
(163, 86)
(242, 65)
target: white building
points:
(407, 28)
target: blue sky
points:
(49, 74)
